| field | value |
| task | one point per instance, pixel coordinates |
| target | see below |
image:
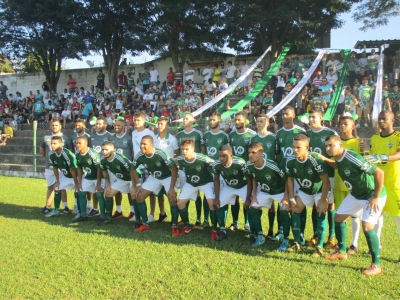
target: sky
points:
(342, 38)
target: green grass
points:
(54, 258)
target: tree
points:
(375, 13)
(48, 30)
(114, 27)
(185, 29)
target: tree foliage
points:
(48, 30)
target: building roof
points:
(375, 44)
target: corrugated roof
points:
(375, 44)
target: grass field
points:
(53, 258)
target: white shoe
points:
(150, 218)
(76, 210)
(88, 210)
(76, 217)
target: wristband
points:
(292, 200)
(139, 184)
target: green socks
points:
(314, 218)
(246, 215)
(174, 215)
(136, 210)
(296, 225)
(185, 216)
(57, 200)
(303, 218)
(373, 245)
(271, 220)
(142, 207)
(255, 219)
(341, 234)
(102, 206)
(331, 222)
(221, 217)
(285, 221)
(109, 203)
(206, 209)
(321, 229)
(278, 219)
(235, 212)
(213, 217)
(198, 208)
(82, 203)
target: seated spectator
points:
(76, 109)
(8, 133)
(66, 115)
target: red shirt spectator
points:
(122, 79)
(129, 119)
(170, 75)
(178, 87)
(71, 83)
(165, 112)
(75, 106)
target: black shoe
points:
(105, 222)
(45, 210)
(221, 236)
(67, 211)
(80, 219)
(252, 239)
(99, 221)
(162, 218)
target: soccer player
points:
(284, 143)
(196, 136)
(268, 185)
(100, 136)
(64, 166)
(385, 151)
(214, 138)
(118, 173)
(45, 150)
(235, 184)
(365, 183)
(123, 145)
(196, 167)
(268, 140)
(169, 144)
(137, 135)
(317, 133)
(309, 171)
(88, 162)
(240, 141)
(163, 174)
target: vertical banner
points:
(330, 112)
(377, 107)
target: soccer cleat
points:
(259, 241)
(302, 240)
(67, 211)
(180, 223)
(79, 219)
(213, 235)
(270, 234)
(294, 248)
(284, 246)
(277, 238)
(318, 252)
(247, 228)
(352, 250)
(45, 210)
(76, 217)
(88, 210)
(175, 231)
(203, 226)
(93, 212)
(252, 239)
(398, 261)
(162, 218)
(336, 255)
(150, 218)
(105, 222)
(372, 270)
(75, 210)
(196, 225)
(117, 215)
(185, 230)
(222, 236)
(99, 221)
(331, 243)
(233, 227)
(142, 227)
(53, 213)
(313, 241)
(136, 225)
(131, 217)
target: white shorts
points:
(227, 194)
(65, 183)
(119, 185)
(351, 206)
(50, 178)
(190, 192)
(155, 185)
(265, 200)
(182, 178)
(331, 198)
(308, 200)
(89, 185)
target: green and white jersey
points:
(123, 145)
(195, 134)
(97, 140)
(270, 178)
(90, 162)
(158, 164)
(233, 174)
(75, 136)
(284, 143)
(240, 143)
(269, 143)
(214, 141)
(307, 173)
(318, 103)
(46, 144)
(120, 166)
(357, 175)
(63, 161)
(364, 93)
(317, 144)
(197, 172)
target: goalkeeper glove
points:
(377, 158)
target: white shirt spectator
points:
(148, 97)
(189, 75)
(207, 74)
(363, 62)
(222, 86)
(332, 79)
(66, 113)
(139, 91)
(118, 104)
(230, 72)
(153, 75)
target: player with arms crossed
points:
(309, 171)
(367, 193)
(236, 184)
(268, 185)
(163, 174)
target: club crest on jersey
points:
(269, 145)
(118, 168)
(125, 142)
(145, 165)
(219, 141)
(323, 139)
(235, 172)
(198, 168)
(105, 139)
(347, 171)
(158, 164)
(390, 145)
(268, 176)
(309, 171)
(280, 140)
(89, 162)
(295, 170)
(232, 139)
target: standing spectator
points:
(38, 109)
(217, 75)
(243, 70)
(230, 73)
(326, 90)
(363, 60)
(287, 67)
(170, 76)
(100, 79)
(45, 87)
(124, 62)
(178, 75)
(145, 77)
(75, 108)
(353, 63)
(71, 83)
(258, 72)
(332, 63)
(396, 66)
(38, 96)
(317, 81)
(207, 73)
(154, 76)
(189, 75)
(280, 86)
(210, 87)
(302, 65)
(373, 64)
(122, 79)
(3, 90)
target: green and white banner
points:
(377, 106)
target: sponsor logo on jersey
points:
(346, 171)
(120, 151)
(390, 145)
(88, 171)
